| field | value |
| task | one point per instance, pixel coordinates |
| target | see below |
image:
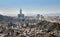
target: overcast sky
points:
(29, 7)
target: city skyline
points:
(29, 7)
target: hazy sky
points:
(29, 7)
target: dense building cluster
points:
(29, 26)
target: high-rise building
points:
(21, 16)
(38, 16)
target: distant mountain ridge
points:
(6, 18)
(53, 14)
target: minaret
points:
(20, 11)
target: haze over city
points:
(29, 18)
(29, 7)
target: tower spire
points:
(20, 11)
